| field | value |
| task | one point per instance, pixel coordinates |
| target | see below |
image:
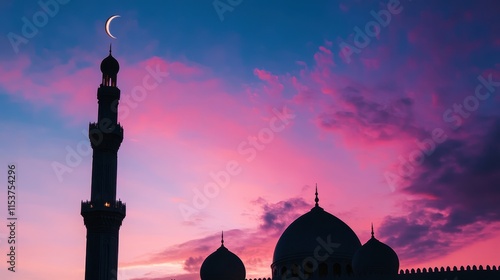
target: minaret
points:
(103, 214)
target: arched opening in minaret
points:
(108, 81)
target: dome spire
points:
(316, 193)
(375, 257)
(222, 264)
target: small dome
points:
(110, 66)
(375, 257)
(300, 238)
(222, 265)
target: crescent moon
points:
(108, 22)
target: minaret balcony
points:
(108, 138)
(116, 207)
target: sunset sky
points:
(391, 107)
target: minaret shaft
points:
(106, 136)
(104, 165)
(103, 214)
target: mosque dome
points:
(315, 228)
(375, 257)
(222, 265)
(110, 66)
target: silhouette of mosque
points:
(316, 246)
(320, 246)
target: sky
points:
(233, 111)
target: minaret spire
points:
(110, 48)
(316, 193)
(222, 239)
(372, 231)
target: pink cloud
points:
(275, 88)
(192, 122)
(253, 245)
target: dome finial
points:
(110, 48)
(316, 193)
(222, 239)
(372, 231)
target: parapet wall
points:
(442, 273)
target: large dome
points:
(313, 229)
(222, 265)
(375, 257)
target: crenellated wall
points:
(463, 273)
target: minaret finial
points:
(222, 239)
(372, 231)
(316, 193)
(110, 48)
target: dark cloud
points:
(369, 119)
(457, 191)
(253, 245)
(193, 264)
(463, 176)
(277, 216)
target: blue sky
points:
(356, 119)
